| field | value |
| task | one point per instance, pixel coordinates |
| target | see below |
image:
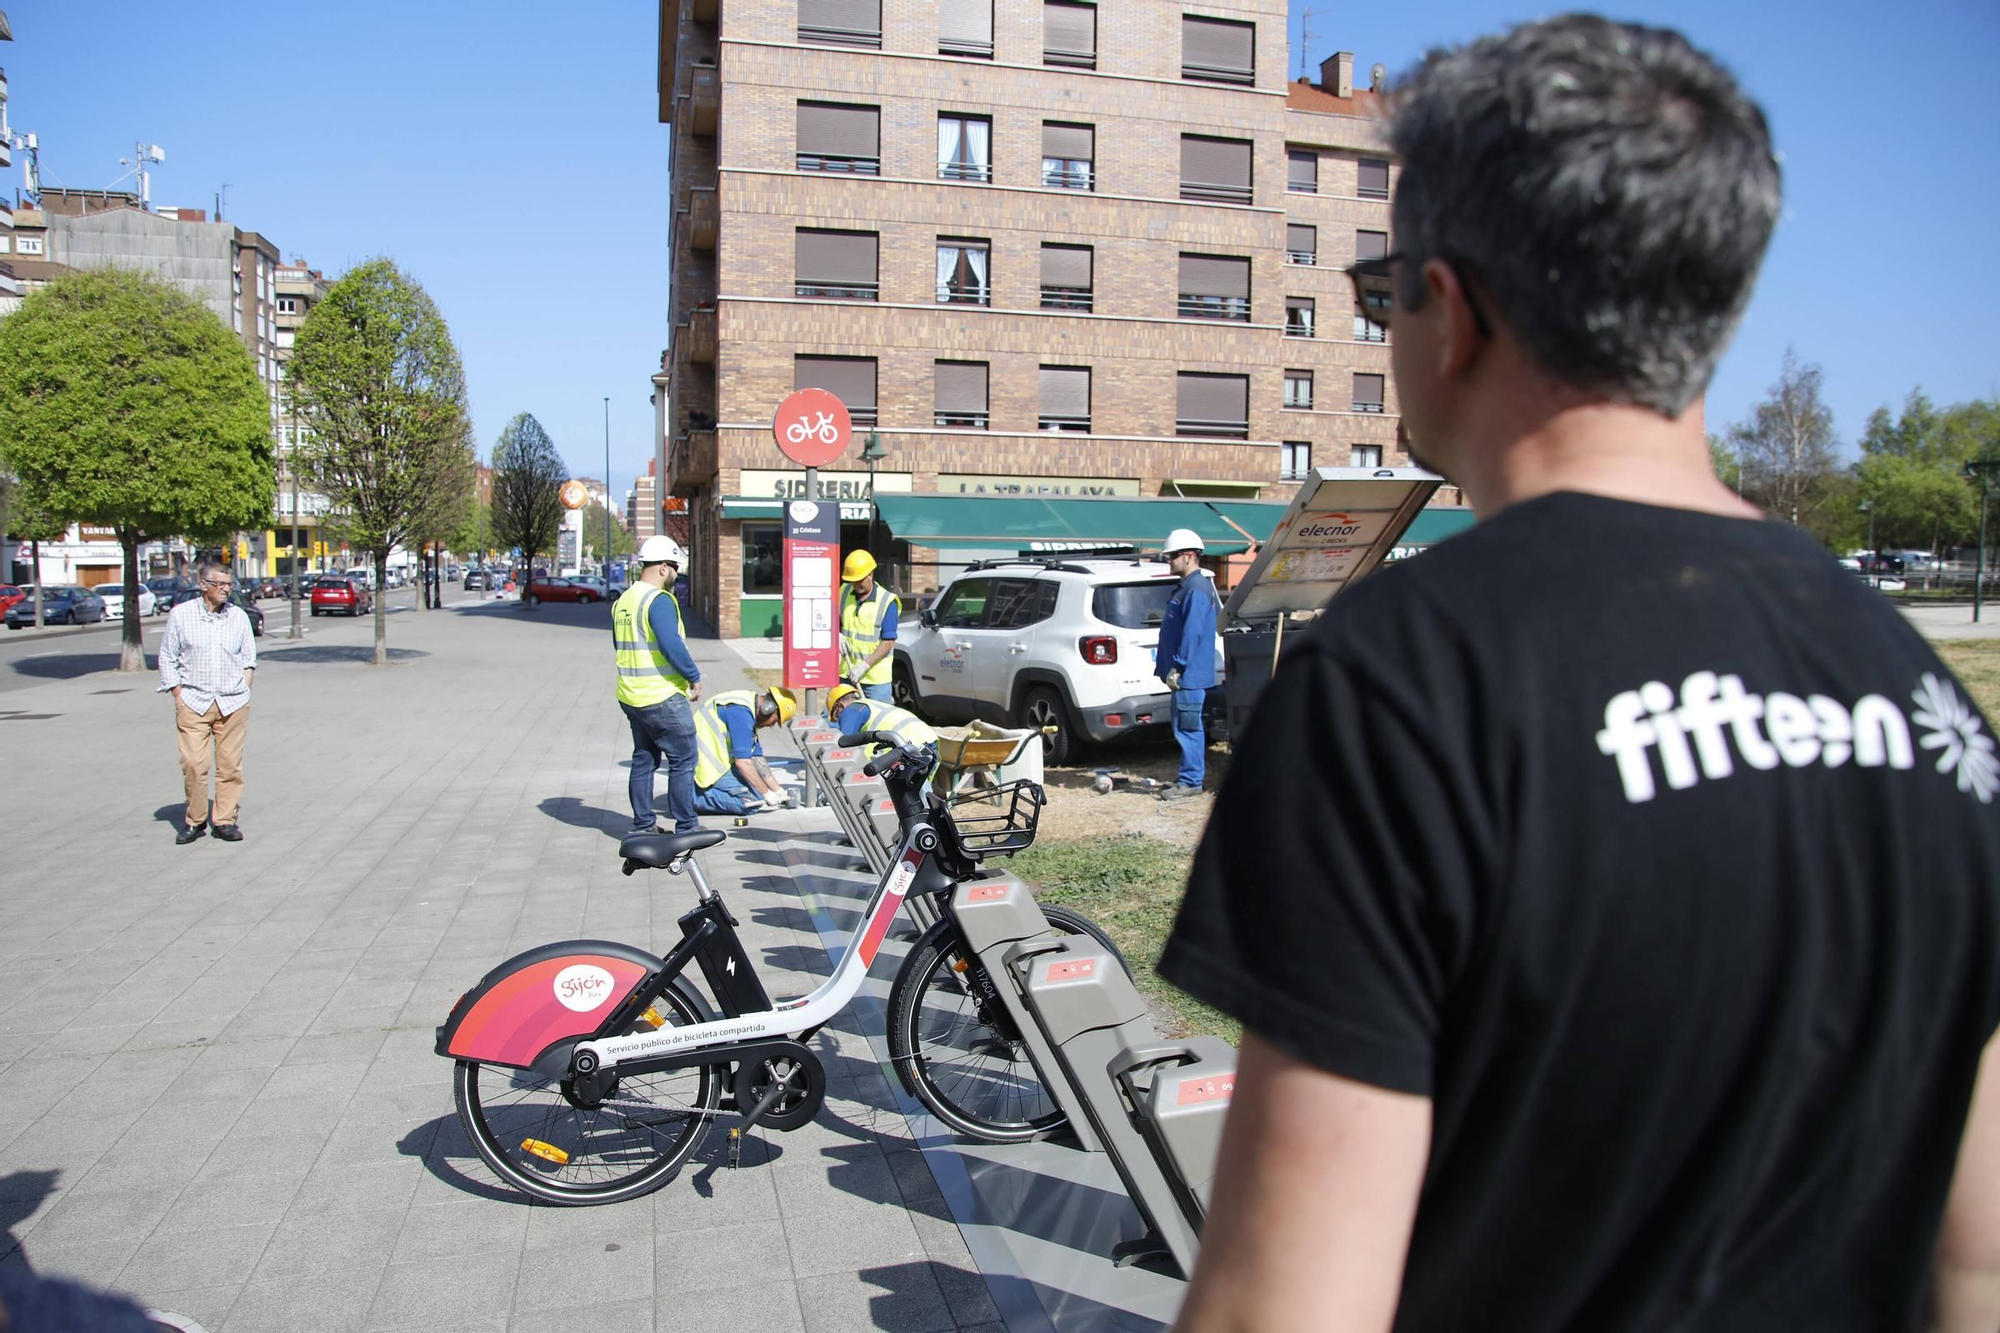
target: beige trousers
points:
(198, 731)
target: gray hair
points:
(1608, 184)
(211, 567)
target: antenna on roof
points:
(1306, 17)
(1378, 77)
(221, 198)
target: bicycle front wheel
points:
(544, 1138)
(957, 1053)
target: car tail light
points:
(1114, 719)
(1098, 649)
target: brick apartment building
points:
(1075, 269)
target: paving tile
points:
(335, 1048)
(90, 1259)
(224, 1203)
(748, 1254)
(614, 1317)
(438, 1291)
(811, 1184)
(701, 1197)
(340, 1187)
(350, 1243)
(111, 1215)
(902, 1297)
(878, 1237)
(207, 1306)
(625, 1224)
(462, 1226)
(770, 1307)
(327, 1302)
(219, 1256)
(571, 1276)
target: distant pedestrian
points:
(1185, 659)
(658, 683)
(207, 658)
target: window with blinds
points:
(1217, 405)
(1368, 393)
(1364, 455)
(848, 378)
(836, 137)
(959, 395)
(962, 272)
(1069, 155)
(1069, 34)
(1066, 277)
(835, 265)
(1295, 460)
(965, 147)
(1218, 50)
(1215, 171)
(1371, 245)
(1214, 287)
(1298, 316)
(1065, 399)
(965, 28)
(841, 22)
(1301, 244)
(1302, 170)
(1373, 180)
(1299, 389)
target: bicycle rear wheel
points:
(957, 1053)
(544, 1139)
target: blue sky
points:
(509, 157)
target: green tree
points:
(474, 533)
(595, 517)
(1723, 460)
(1786, 447)
(528, 475)
(28, 521)
(125, 403)
(378, 381)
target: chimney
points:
(1336, 74)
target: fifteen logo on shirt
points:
(1713, 721)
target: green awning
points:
(1260, 520)
(1008, 523)
(1433, 525)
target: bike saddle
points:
(657, 850)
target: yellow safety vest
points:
(712, 760)
(861, 633)
(900, 722)
(645, 676)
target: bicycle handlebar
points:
(894, 751)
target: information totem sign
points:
(812, 428)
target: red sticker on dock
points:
(1079, 967)
(986, 893)
(1198, 1090)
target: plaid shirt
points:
(205, 653)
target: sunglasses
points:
(1375, 291)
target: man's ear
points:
(1458, 332)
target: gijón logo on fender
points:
(582, 987)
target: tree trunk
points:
(527, 577)
(381, 610)
(132, 634)
(35, 567)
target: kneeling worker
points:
(851, 712)
(731, 776)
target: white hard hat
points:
(1183, 539)
(656, 550)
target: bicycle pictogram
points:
(822, 428)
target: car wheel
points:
(903, 688)
(1042, 708)
(534, 600)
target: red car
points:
(561, 590)
(340, 597)
(9, 594)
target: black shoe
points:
(190, 833)
(229, 833)
(649, 828)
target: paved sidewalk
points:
(217, 1087)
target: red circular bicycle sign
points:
(812, 427)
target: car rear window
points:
(1132, 605)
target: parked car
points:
(166, 588)
(562, 590)
(1048, 643)
(114, 601)
(361, 575)
(478, 580)
(9, 594)
(341, 596)
(1882, 564)
(592, 582)
(241, 597)
(63, 604)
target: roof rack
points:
(1064, 564)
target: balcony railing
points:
(960, 420)
(965, 46)
(1306, 257)
(704, 217)
(844, 163)
(1299, 401)
(1060, 175)
(862, 416)
(1214, 307)
(1299, 473)
(1301, 187)
(694, 459)
(827, 35)
(1056, 422)
(1296, 327)
(1362, 405)
(1365, 332)
(1227, 430)
(1375, 192)
(1208, 192)
(964, 293)
(1056, 55)
(1217, 73)
(1066, 298)
(837, 291)
(704, 99)
(966, 171)
(701, 336)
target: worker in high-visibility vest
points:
(731, 776)
(658, 685)
(868, 613)
(852, 711)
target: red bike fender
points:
(555, 993)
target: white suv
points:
(1062, 643)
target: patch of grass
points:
(1132, 887)
(764, 677)
(1977, 663)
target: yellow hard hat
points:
(787, 703)
(839, 692)
(858, 565)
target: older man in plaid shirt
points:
(207, 657)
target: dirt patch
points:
(1076, 810)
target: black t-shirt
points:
(1664, 857)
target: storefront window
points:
(763, 558)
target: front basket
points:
(997, 820)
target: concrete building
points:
(1074, 268)
(642, 510)
(10, 285)
(297, 288)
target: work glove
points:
(774, 801)
(1173, 679)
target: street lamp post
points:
(1874, 560)
(1982, 469)
(872, 453)
(607, 493)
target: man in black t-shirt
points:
(1621, 946)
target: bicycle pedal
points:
(735, 1147)
(548, 1152)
